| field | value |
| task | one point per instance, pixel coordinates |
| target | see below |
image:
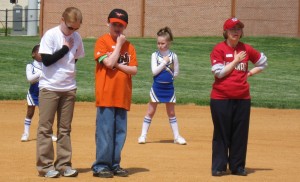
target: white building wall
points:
(5, 4)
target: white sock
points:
(27, 124)
(146, 125)
(174, 126)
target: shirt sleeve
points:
(254, 55)
(216, 57)
(217, 62)
(46, 44)
(31, 74)
(100, 49)
(133, 58)
(262, 63)
(80, 50)
(154, 66)
(176, 66)
(49, 59)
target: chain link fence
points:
(5, 22)
(15, 20)
(184, 17)
(270, 18)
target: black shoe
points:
(218, 173)
(121, 172)
(104, 173)
(240, 172)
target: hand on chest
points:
(161, 60)
(241, 66)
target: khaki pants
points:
(50, 103)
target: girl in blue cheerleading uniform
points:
(165, 67)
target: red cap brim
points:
(117, 20)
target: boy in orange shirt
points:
(115, 64)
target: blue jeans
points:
(111, 130)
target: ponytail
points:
(166, 32)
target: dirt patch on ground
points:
(273, 149)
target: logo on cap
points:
(234, 19)
(119, 14)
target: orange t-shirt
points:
(113, 88)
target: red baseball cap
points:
(231, 22)
(118, 16)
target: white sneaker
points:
(142, 139)
(24, 137)
(180, 140)
(54, 138)
(52, 174)
(70, 173)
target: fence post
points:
(233, 2)
(6, 19)
(32, 18)
(41, 23)
(143, 18)
(299, 18)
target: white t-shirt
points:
(60, 76)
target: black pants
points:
(231, 125)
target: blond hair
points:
(72, 14)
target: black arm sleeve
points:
(49, 59)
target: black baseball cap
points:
(119, 16)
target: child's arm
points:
(260, 65)
(111, 61)
(158, 68)
(221, 70)
(49, 59)
(32, 77)
(132, 70)
(176, 66)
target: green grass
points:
(277, 87)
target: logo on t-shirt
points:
(229, 55)
(124, 59)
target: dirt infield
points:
(273, 149)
